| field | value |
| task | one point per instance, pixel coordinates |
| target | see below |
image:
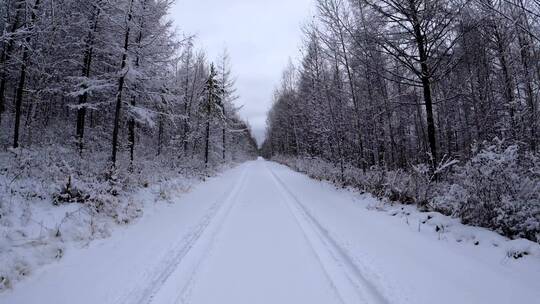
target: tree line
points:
(390, 83)
(114, 77)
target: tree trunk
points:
(508, 81)
(87, 63)
(426, 84)
(187, 102)
(22, 80)
(224, 145)
(19, 98)
(121, 81)
(530, 50)
(224, 131)
(525, 52)
(81, 112)
(132, 123)
(207, 143)
(361, 160)
(160, 135)
(131, 136)
(6, 54)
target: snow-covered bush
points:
(498, 189)
(70, 193)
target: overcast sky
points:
(260, 36)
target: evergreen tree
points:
(213, 107)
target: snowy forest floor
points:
(262, 233)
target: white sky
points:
(260, 36)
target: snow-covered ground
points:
(261, 233)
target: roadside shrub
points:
(500, 191)
(70, 193)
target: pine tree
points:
(213, 107)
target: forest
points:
(111, 87)
(433, 103)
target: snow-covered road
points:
(261, 233)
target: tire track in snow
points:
(185, 291)
(156, 278)
(351, 284)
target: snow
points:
(408, 266)
(261, 233)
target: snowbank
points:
(498, 189)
